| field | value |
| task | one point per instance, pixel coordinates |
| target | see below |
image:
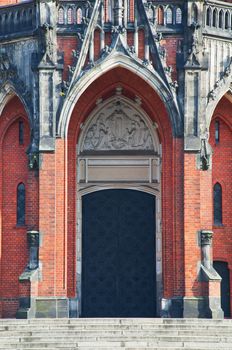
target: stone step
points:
(126, 332)
(118, 337)
(116, 345)
(130, 334)
(119, 321)
(113, 326)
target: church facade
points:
(115, 158)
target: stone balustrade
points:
(218, 16)
(17, 18)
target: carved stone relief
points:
(118, 127)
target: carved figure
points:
(47, 41)
(116, 130)
(204, 155)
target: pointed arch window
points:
(21, 204)
(21, 132)
(109, 11)
(217, 131)
(227, 20)
(220, 21)
(169, 16)
(214, 18)
(194, 13)
(217, 204)
(208, 16)
(70, 16)
(160, 15)
(61, 15)
(178, 15)
(79, 16)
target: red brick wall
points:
(197, 216)
(13, 170)
(171, 46)
(66, 45)
(222, 155)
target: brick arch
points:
(221, 173)
(7, 93)
(220, 96)
(14, 170)
(172, 148)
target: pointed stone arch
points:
(120, 60)
(7, 92)
(213, 103)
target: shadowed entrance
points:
(118, 254)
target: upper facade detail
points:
(184, 49)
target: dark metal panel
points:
(222, 268)
(118, 254)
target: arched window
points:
(227, 20)
(21, 132)
(79, 16)
(61, 15)
(194, 13)
(109, 11)
(217, 131)
(214, 18)
(160, 15)
(208, 16)
(178, 16)
(21, 204)
(70, 16)
(217, 204)
(220, 22)
(169, 16)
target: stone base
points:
(73, 308)
(190, 307)
(43, 308)
(172, 307)
(202, 307)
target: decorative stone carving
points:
(206, 241)
(33, 243)
(33, 154)
(9, 73)
(221, 83)
(204, 155)
(46, 34)
(116, 128)
(6, 69)
(206, 237)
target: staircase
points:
(109, 334)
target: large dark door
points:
(222, 268)
(118, 254)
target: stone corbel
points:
(207, 271)
(206, 242)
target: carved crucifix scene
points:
(118, 127)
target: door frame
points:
(153, 190)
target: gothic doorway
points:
(118, 254)
(119, 243)
(222, 268)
